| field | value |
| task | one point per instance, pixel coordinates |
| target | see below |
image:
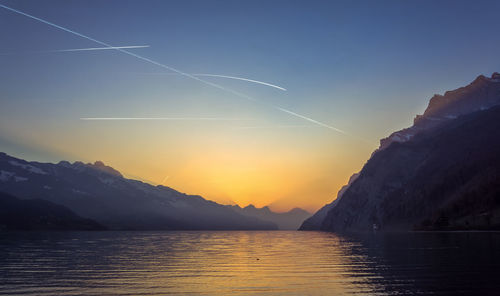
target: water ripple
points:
(247, 263)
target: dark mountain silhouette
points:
(290, 220)
(37, 214)
(441, 173)
(314, 222)
(101, 193)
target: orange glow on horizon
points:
(221, 164)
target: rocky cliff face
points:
(448, 178)
(382, 194)
(480, 94)
(314, 222)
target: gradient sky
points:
(365, 67)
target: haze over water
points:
(248, 263)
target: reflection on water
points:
(248, 262)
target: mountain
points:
(290, 220)
(314, 222)
(480, 94)
(445, 179)
(440, 173)
(37, 214)
(101, 193)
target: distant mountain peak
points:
(495, 77)
(298, 211)
(107, 169)
(286, 221)
(97, 165)
(465, 99)
(266, 209)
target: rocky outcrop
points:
(481, 94)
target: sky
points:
(354, 71)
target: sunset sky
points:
(359, 67)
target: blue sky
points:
(365, 67)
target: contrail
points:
(77, 49)
(243, 79)
(310, 120)
(168, 118)
(167, 67)
(97, 48)
(228, 77)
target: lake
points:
(248, 263)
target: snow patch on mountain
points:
(20, 179)
(79, 192)
(107, 181)
(5, 176)
(28, 167)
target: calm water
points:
(248, 263)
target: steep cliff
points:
(445, 178)
(397, 162)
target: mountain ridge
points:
(101, 193)
(481, 94)
(448, 179)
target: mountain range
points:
(101, 193)
(442, 173)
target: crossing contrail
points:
(169, 68)
(97, 48)
(77, 49)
